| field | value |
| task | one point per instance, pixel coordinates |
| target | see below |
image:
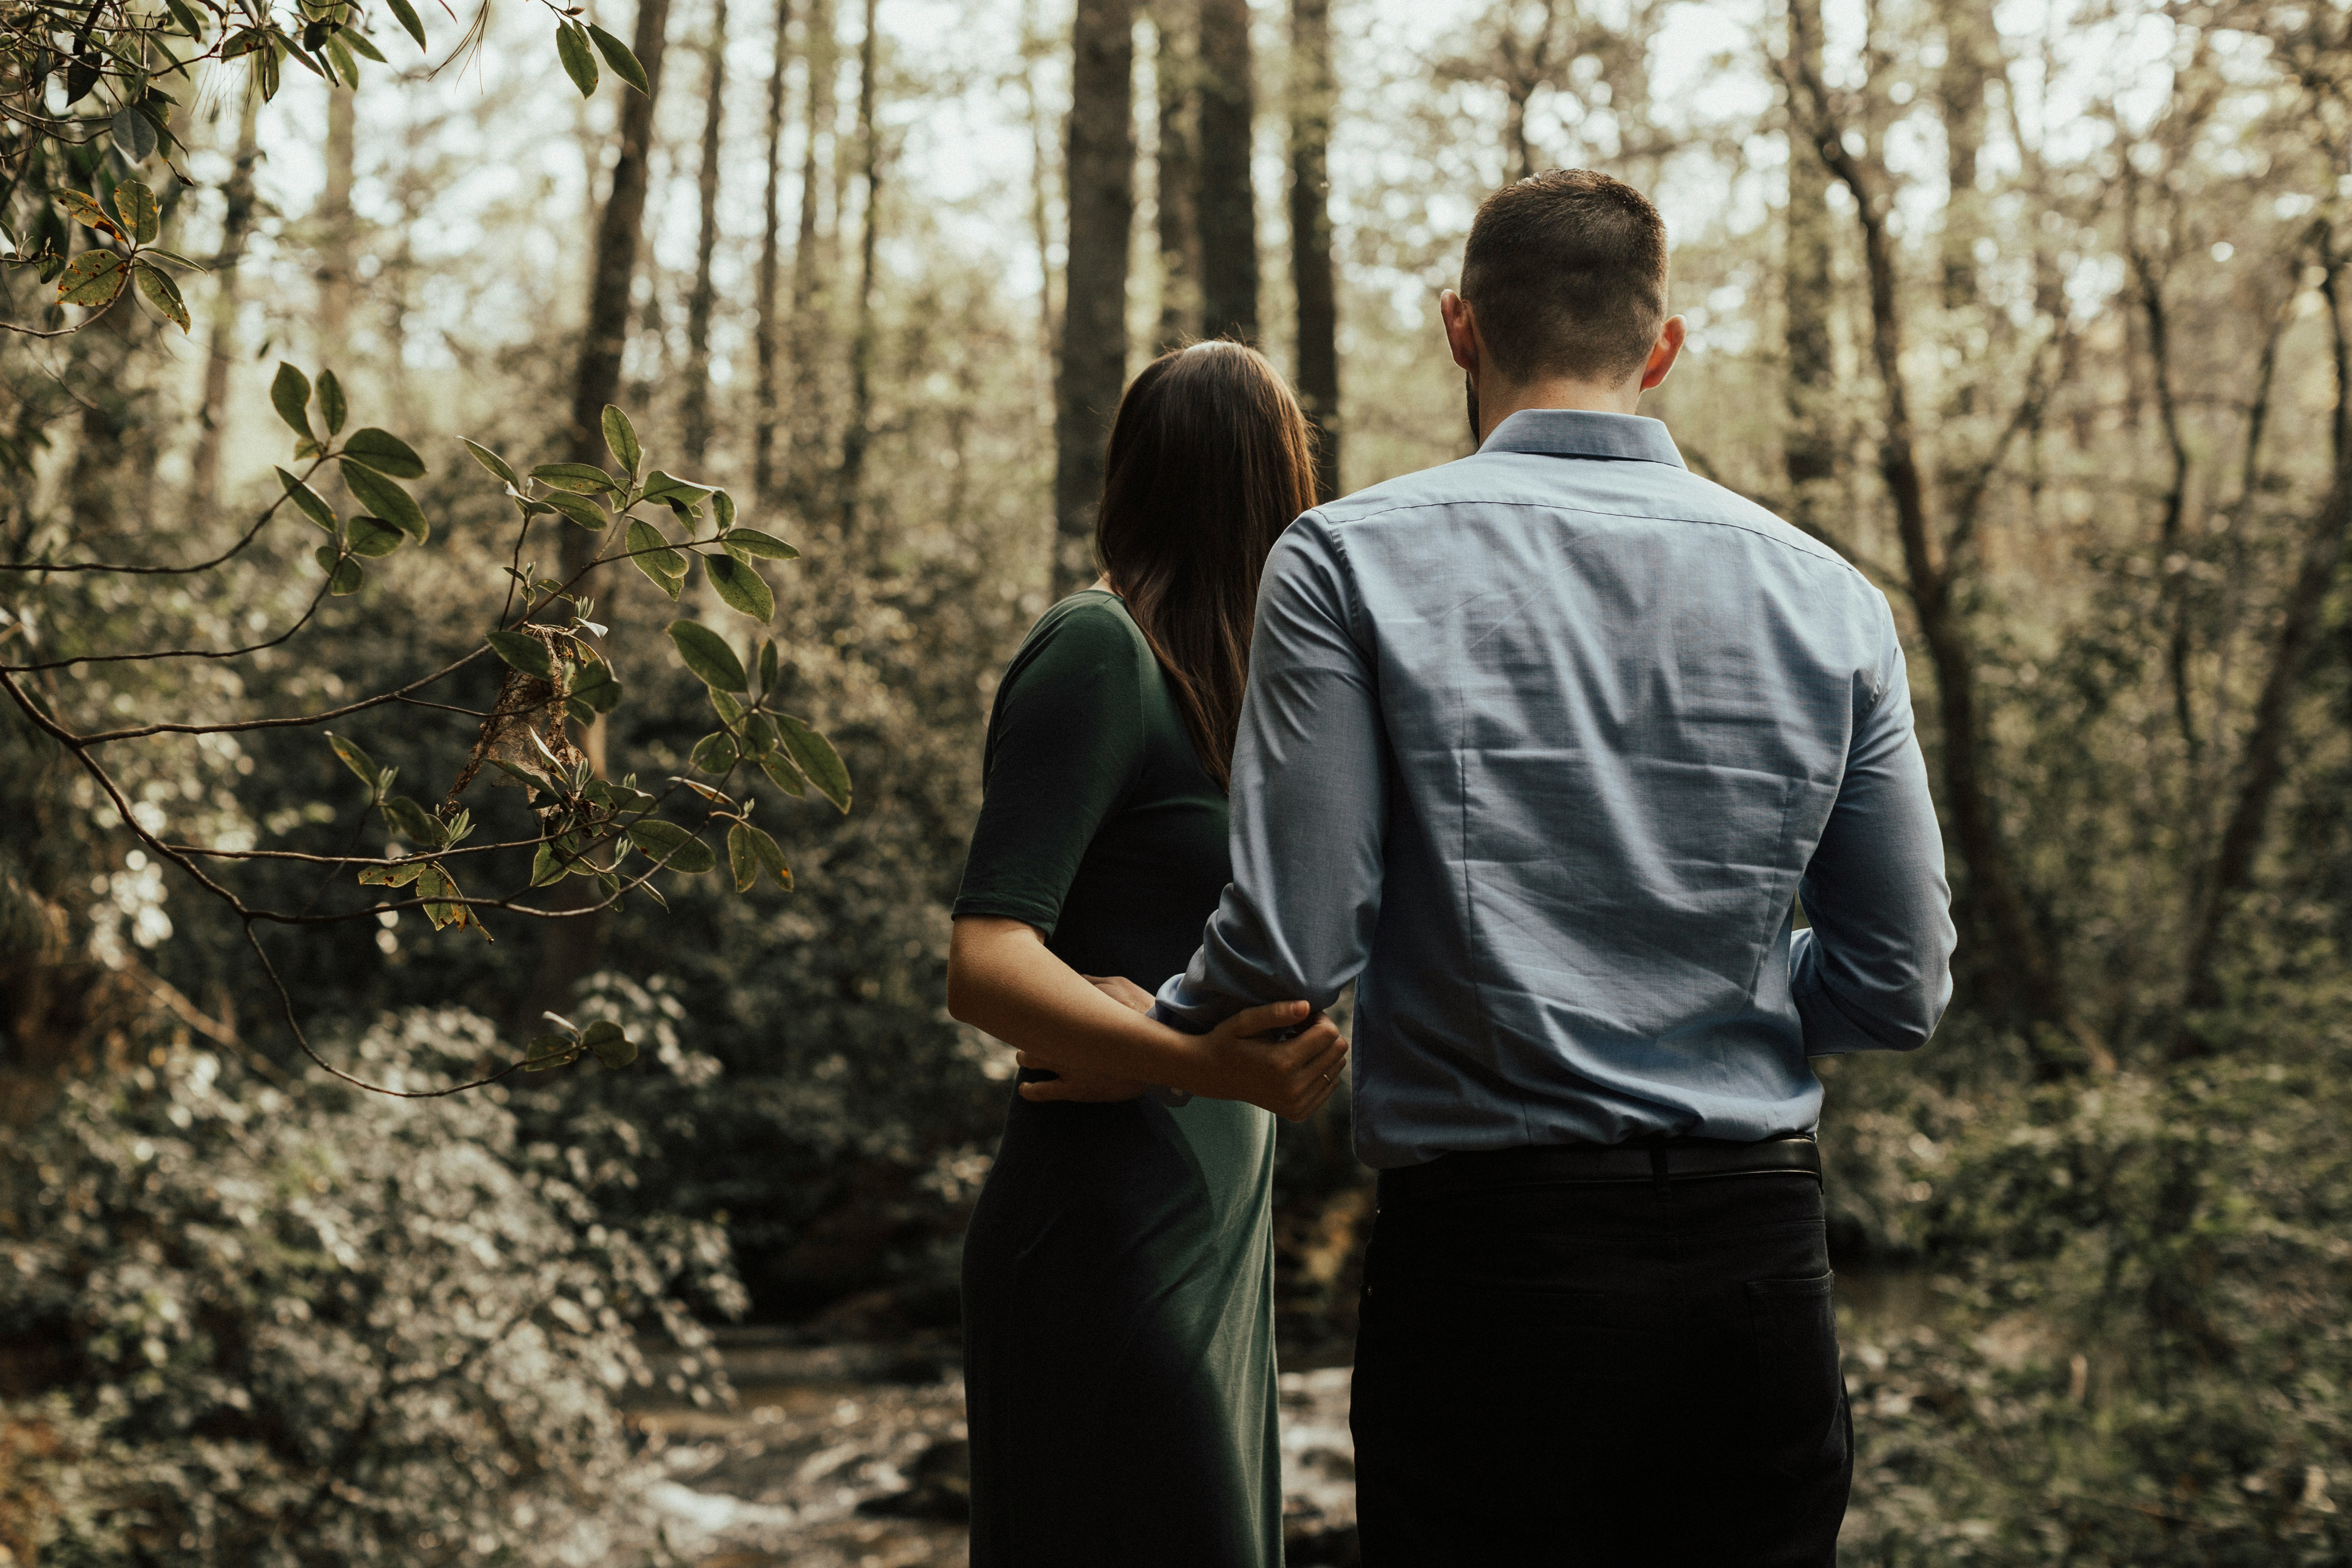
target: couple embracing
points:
(1540, 749)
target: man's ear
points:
(1663, 352)
(1461, 330)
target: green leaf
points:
(135, 204)
(621, 439)
(93, 278)
(358, 43)
(493, 462)
(552, 1048)
(572, 49)
(706, 652)
(523, 651)
(740, 541)
(764, 851)
(743, 589)
(741, 862)
(163, 294)
(379, 450)
(391, 876)
(412, 822)
(668, 488)
(578, 509)
(133, 135)
(370, 537)
(157, 253)
(185, 17)
(672, 845)
(358, 761)
(613, 1047)
(649, 547)
(406, 15)
(385, 500)
(624, 63)
(723, 506)
(83, 208)
(311, 504)
(290, 394)
(714, 754)
(594, 686)
(343, 573)
(729, 711)
(760, 735)
(768, 665)
(331, 405)
(582, 479)
(546, 866)
(783, 775)
(815, 757)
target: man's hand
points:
(1291, 1078)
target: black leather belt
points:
(1655, 1160)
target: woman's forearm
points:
(1004, 979)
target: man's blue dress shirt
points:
(1546, 744)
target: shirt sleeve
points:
(1063, 750)
(1309, 803)
(1875, 971)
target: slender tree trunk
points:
(859, 432)
(813, 259)
(1101, 163)
(1312, 90)
(1040, 175)
(575, 946)
(1228, 201)
(1809, 446)
(2262, 767)
(1971, 63)
(1176, 167)
(334, 225)
(2170, 561)
(695, 418)
(220, 349)
(2019, 966)
(771, 326)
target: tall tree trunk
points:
(1176, 167)
(1312, 90)
(1971, 63)
(2018, 968)
(1101, 163)
(1040, 174)
(574, 946)
(220, 331)
(771, 325)
(859, 432)
(1228, 202)
(2262, 767)
(695, 418)
(334, 239)
(812, 259)
(1810, 443)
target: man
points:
(1547, 743)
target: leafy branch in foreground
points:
(556, 670)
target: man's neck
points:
(1589, 397)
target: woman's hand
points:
(1291, 1078)
(1122, 990)
(1085, 1087)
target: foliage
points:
(285, 1322)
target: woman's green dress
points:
(1118, 1274)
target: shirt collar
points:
(1578, 433)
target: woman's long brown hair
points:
(1210, 460)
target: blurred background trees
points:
(2037, 315)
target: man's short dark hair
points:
(1566, 271)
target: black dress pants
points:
(1595, 1376)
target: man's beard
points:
(1470, 396)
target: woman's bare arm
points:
(1004, 979)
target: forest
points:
(506, 543)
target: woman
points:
(1119, 1274)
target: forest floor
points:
(853, 1456)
